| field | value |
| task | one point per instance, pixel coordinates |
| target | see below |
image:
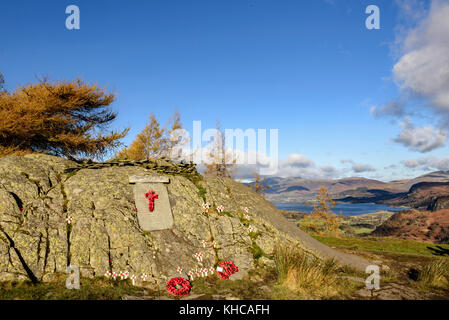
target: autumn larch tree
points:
(322, 210)
(259, 185)
(221, 161)
(63, 118)
(154, 141)
(175, 137)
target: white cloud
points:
(411, 10)
(248, 162)
(313, 172)
(393, 109)
(296, 165)
(421, 73)
(329, 171)
(359, 167)
(362, 168)
(299, 161)
(421, 139)
(424, 67)
(411, 164)
(428, 163)
(299, 165)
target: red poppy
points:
(229, 268)
(174, 283)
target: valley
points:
(421, 192)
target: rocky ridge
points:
(39, 192)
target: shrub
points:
(64, 119)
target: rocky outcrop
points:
(417, 225)
(39, 192)
(420, 195)
(439, 203)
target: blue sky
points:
(308, 68)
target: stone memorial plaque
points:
(152, 203)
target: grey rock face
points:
(39, 195)
(439, 203)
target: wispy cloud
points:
(422, 73)
(424, 68)
(358, 167)
(299, 161)
(296, 165)
(428, 163)
(394, 109)
(421, 139)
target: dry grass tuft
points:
(304, 273)
(435, 273)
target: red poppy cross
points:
(151, 196)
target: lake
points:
(347, 209)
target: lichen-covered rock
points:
(439, 203)
(38, 193)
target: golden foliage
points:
(63, 118)
(155, 141)
(222, 162)
(322, 220)
(259, 184)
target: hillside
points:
(437, 176)
(348, 189)
(298, 189)
(55, 213)
(422, 195)
(432, 227)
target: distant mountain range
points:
(417, 192)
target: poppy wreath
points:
(229, 268)
(179, 292)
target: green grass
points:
(254, 235)
(90, 289)
(71, 173)
(257, 251)
(315, 226)
(361, 230)
(202, 192)
(195, 178)
(242, 288)
(227, 213)
(383, 245)
(244, 221)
